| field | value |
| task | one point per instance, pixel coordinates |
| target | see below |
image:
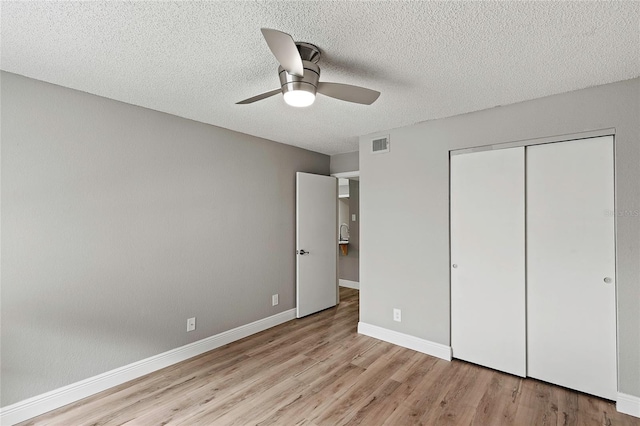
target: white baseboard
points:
(628, 404)
(349, 284)
(57, 398)
(430, 348)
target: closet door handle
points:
(454, 266)
(608, 280)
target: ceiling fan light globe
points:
(299, 98)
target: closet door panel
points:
(571, 317)
(488, 259)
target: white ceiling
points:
(429, 59)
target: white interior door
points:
(488, 259)
(316, 243)
(571, 265)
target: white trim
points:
(349, 284)
(536, 141)
(347, 175)
(425, 346)
(57, 398)
(628, 404)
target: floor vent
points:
(380, 145)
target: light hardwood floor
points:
(319, 371)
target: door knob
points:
(455, 265)
(608, 280)
(302, 252)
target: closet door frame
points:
(539, 141)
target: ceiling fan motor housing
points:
(307, 83)
(310, 55)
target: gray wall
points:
(119, 223)
(345, 162)
(405, 251)
(349, 265)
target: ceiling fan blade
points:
(349, 93)
(285, 50)
(260, 97)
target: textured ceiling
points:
(429, 59)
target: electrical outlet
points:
(274, 300)
(353, 217)
(191, 324)
(397, 315)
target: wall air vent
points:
(380, 145)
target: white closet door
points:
(488, 259)
(571, 265)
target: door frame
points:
(537, 141)
(347, 175)
(545, 140)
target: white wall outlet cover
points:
(191, 324)
(397, 315)
(353, 217)
(274, 300)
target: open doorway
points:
(348, 229)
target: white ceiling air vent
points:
(380, 145)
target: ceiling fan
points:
(299, 75)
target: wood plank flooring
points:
(318, 371)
